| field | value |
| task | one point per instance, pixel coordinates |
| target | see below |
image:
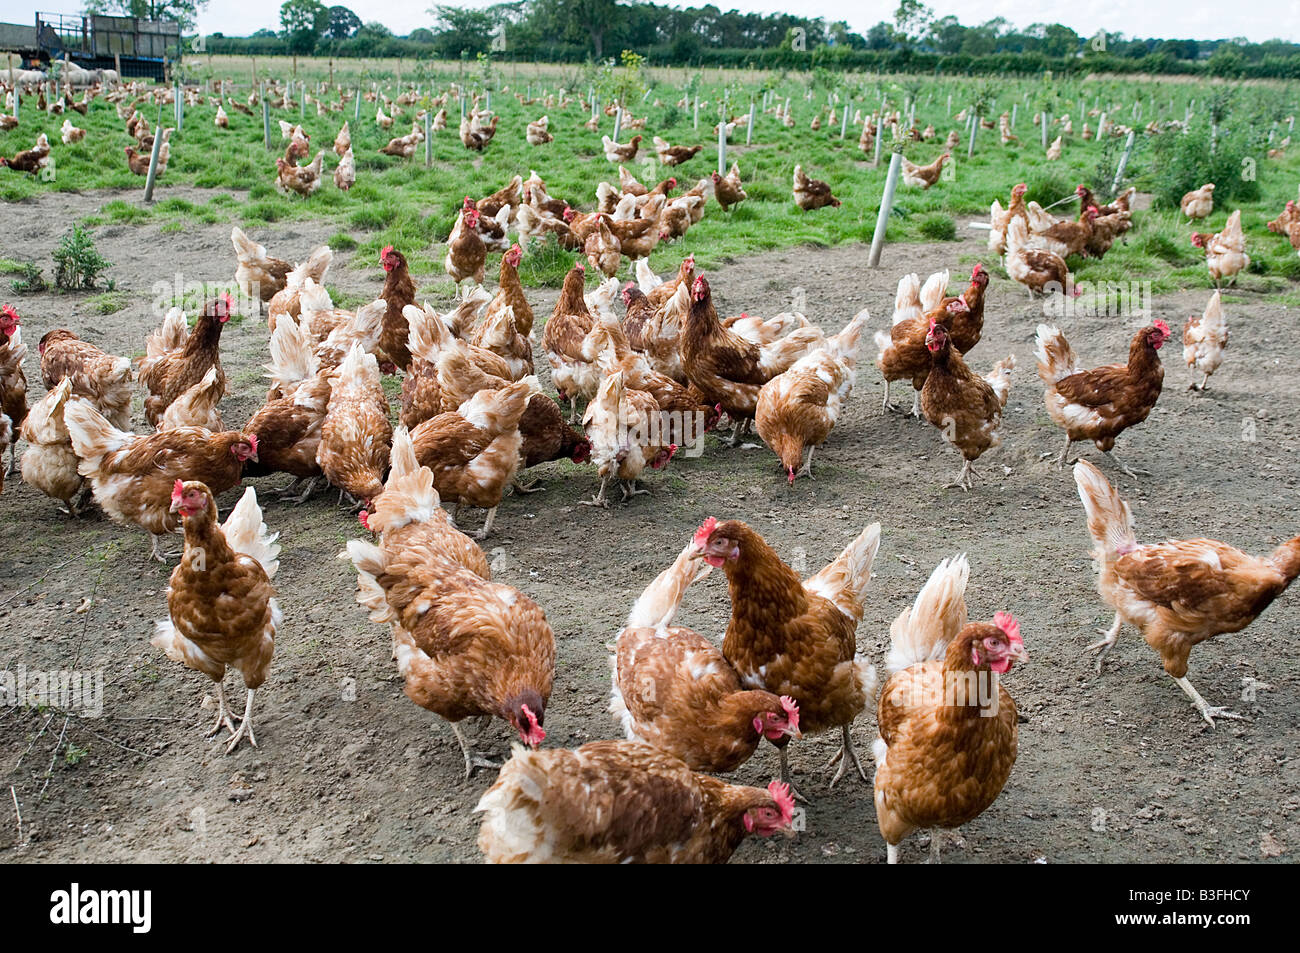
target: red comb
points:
(791, 711)
(178, 490)
(784, 800)
(364, 518)
(388, 250)
(1008, 624)
(701, 537)
(1161, 326)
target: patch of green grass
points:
(400, 202)
(938, 227)
(110, 302)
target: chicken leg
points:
(487, 524)
(472, 759)
(966, 479)
(156, 551)
(785, 776)
(223, 716)
(1061, 458)
(599, 499)
(630, 490)
(844, 755)
(806, 469)
(1125, 468)
(245, 726)
(1208, 712)
(1108, 643)
(287, 492)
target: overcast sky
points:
(1180, 19)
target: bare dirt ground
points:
(1114, 768)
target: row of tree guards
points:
(768, 99)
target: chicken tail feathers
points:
(166, 637)
(409, 495)
(922, 631)
(1056, 360)
(92, 435)
(370, 565)
(1109, 519)
(845, 344)
(247, 534)
(844, 580)
(317, 263)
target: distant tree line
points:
(914, 41)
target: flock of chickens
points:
(654, 373)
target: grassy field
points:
(403, 203)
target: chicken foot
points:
(223, 714)
(76, 506)
(245, 726)
(599, 499)
(530, 488)
(487, 524)
(806, 469)
(472, 758)
(966, 479)
(1061, 458)
(1108, 643)
(1125, 468)
(844, 755)
(156, 552)
(1208, 712)
(630, 490)
(287, 492)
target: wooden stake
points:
(749, 134)
(428, 140)
(266, 122)
(722, 145)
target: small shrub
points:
(938, 227)
(1184, 163)
(342, 241)
(30, 280)
(77, 265)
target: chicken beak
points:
(1018, 653)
